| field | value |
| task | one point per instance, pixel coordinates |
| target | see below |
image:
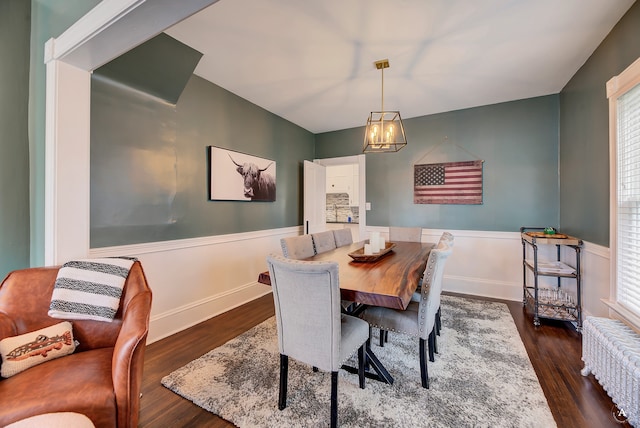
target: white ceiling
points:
(311, 62)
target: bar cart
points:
(557, 301)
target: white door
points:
(315, 198)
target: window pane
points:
(628, 216)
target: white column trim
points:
(49, 159)
(108, 30)
(68, 99)
(115, 26)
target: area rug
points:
(482, 377)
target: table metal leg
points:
(379, 372)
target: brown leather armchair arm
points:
(128, 354)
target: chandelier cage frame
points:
(384, 131)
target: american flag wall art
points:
(448, 183)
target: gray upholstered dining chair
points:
(417, 296)
(343, 237)
(413, 235)
(311, 327)
(298, 247)
(448, 237)
(323, 241)
(418, 319)
(407, 234)
(445, 237)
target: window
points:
(623, 92)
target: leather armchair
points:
(102, 378)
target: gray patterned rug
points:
(482, 377)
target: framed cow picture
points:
(236, 176)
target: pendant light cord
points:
(382, 104)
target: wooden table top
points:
(389, 281)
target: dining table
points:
(387, 279)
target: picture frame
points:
(237, 176)
(459, 183)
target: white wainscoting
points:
(483, 263)
(489, 264)
(195, 279)
(595, 279)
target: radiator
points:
(611, 351)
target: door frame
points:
(360, 160)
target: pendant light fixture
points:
(384, 132)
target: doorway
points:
(345, 194)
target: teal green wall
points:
(584, 133)
(583, 191)
(49, 18)
(15, 26)
(160, 67)
(518, 142)
(149, 164)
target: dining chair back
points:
(298, 247)
(343, 237)
(324, 241)
(311, 327)
(447, 236)
(419, 318)
(406, 234)
(432, 288)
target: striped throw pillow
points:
(89, 289)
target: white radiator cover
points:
(611, 351)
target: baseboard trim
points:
(483, 287)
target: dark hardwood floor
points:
(554, 349)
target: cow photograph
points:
(235, 176)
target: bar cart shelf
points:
(558, 301)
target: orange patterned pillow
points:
(27, 350)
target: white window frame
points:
(616, 87)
